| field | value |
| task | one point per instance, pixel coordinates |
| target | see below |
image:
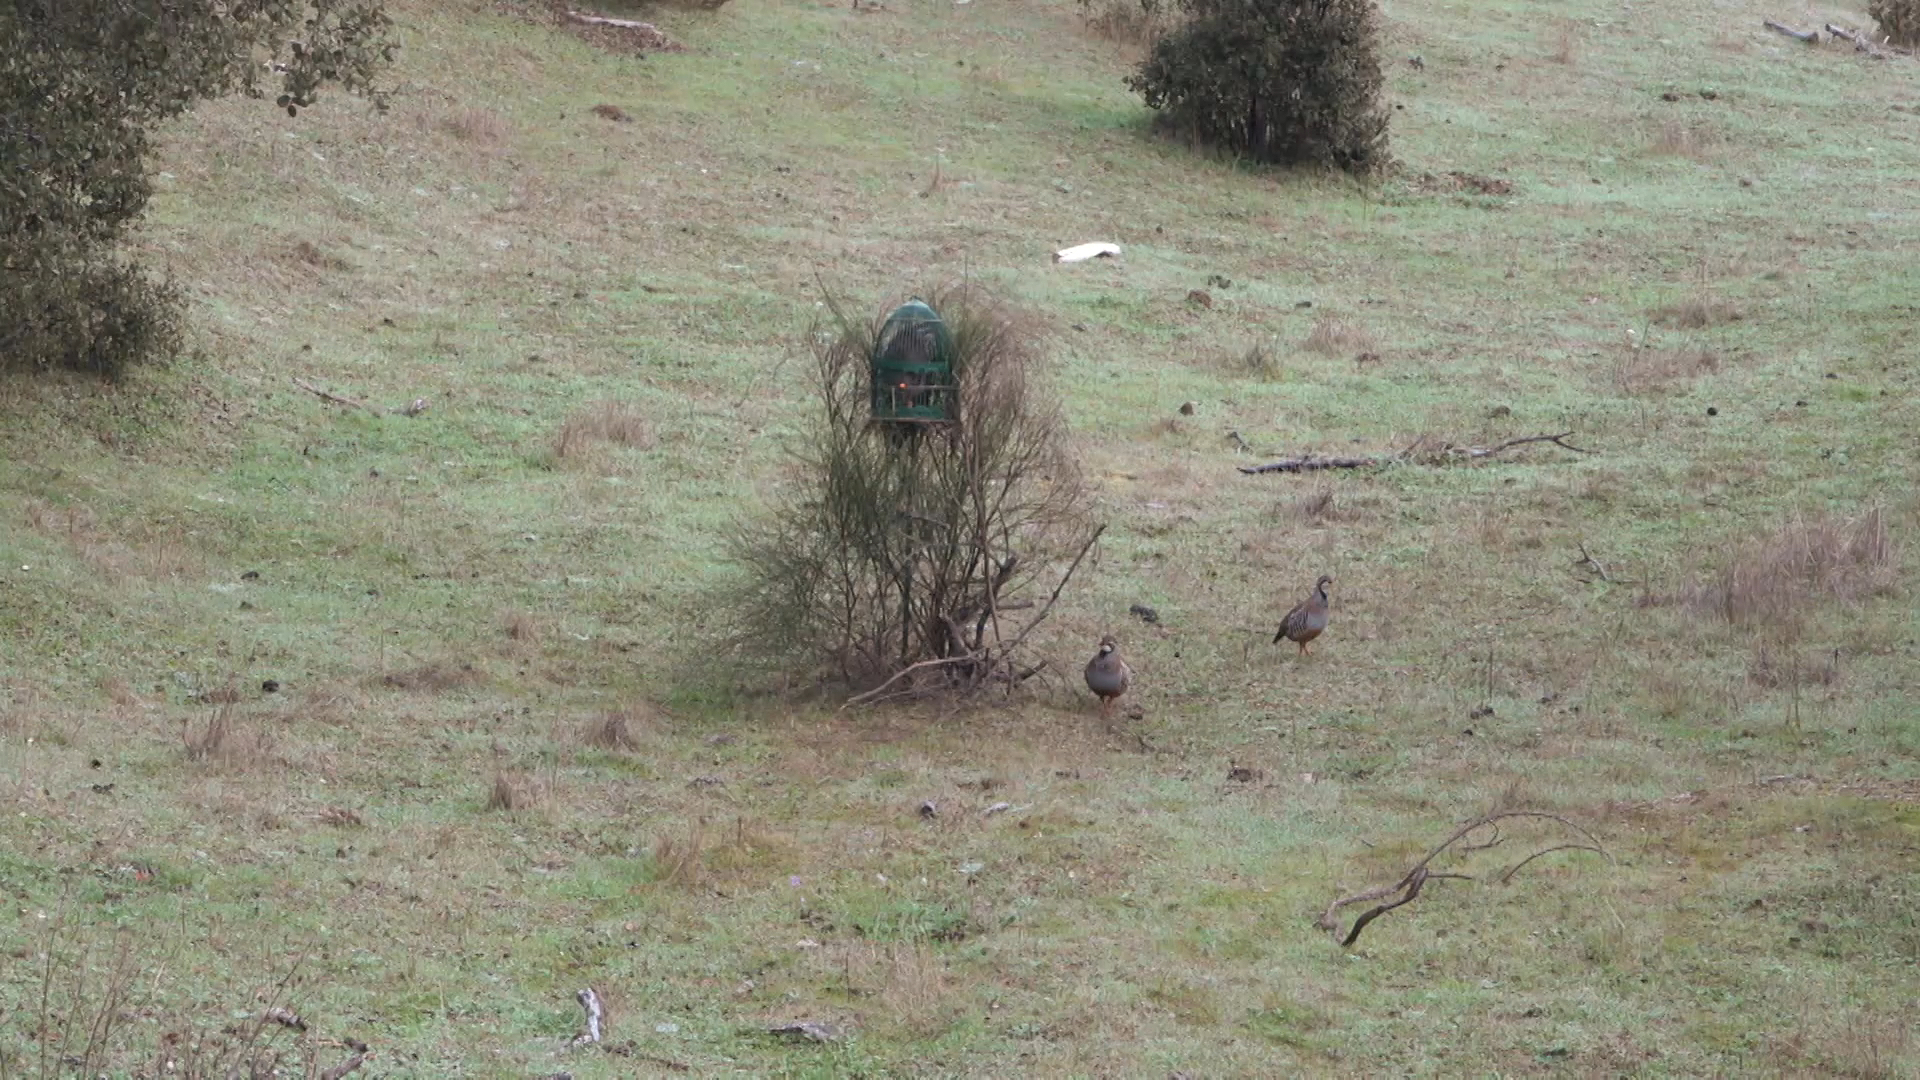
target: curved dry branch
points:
(1408, 888)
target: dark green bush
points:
(1287, 82)
(83, 84)
(1899, 20)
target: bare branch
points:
(1515, 868)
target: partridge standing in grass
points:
(1307, 618)
(1108, 676)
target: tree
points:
(908, 561)
(1288, 82)
(83, 85)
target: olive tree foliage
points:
(1899, 20)
(1285, 82)
(906, 563)
(84, 84)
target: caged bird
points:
(1108, 676)
(1307, 618)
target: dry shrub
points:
(1334, 336)
(509, 792)
(1804, 563)
(616, 729)
(677, 862)
(1137, 23)
(912, 544)
(1697, 312)
(1645, 371)
(1679, 139)
(482, 127)
(605, 422)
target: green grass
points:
(445, 599)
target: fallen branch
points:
(1407, 889)
(337, 399)
(602, 20)
(1441, 455)
(1811, 37)
(944, 661)
(1879, 50)
(1587, 559)
(596, 1015)
(345, 1067)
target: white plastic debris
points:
(1098, 249)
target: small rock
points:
(1801, 404)
(1145, 614)
(1711, 411)
(1669, 96)
(1710, 94)
(1187, 408)
(254, 575)
(102, 789)
(928, 810)
(1304, 304)
(1219, 281)
(1500, 412)
(1746, 181)
(720, 740)
(1484, 710)
(1199, 298)
(1240, 774)
(271, 686)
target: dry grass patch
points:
(1260, 361)
(510, 792)
(1335, 336)
(481, 127)
(614, 423)
(1564, 45)
(1804, 563)
(1639, 370)
(1135, 23)
(1775, 667)
(1697, 312)
(225, 743)
(435, 677)
(618, 729)
(1679, 139)
(677, 862)
(341, 817)
(523, 629)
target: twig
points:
(590, 1001)
(1064, 578)
(1811, 37)
(337, 399)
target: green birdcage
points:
(913, 379)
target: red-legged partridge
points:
(1307, 618)
(1108, 676)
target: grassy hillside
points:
(1683, 237)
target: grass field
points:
(498, 764)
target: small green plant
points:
(1285, 82)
